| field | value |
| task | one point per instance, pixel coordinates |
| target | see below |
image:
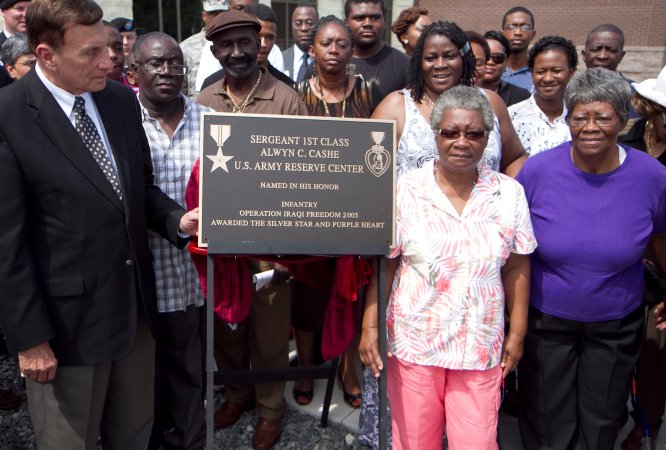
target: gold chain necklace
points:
(427, 97)
(648, 129)
(241, 108)
(344, 98)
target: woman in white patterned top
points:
(540, 120)
(443, 59)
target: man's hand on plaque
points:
(189, 223)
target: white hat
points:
(653, 89)
(215, 5)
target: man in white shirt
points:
(172, 125)
(78, 199)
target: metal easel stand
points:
(326, 370)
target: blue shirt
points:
(521, 78)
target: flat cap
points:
(6, 4)
(123, 24)
(229, 20)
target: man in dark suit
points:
(79, 301)
(303, 22)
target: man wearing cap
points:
(275, 55)
(262, 339)
(267, 37)
(196, 50)
(127, 29)
(14, 13)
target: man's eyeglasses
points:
(497, 58)
(472, 135)
(160, 67)
(300, 23)
(521, 27)
(580, 122)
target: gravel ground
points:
(299, 431)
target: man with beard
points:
(172, 123)
(267, 37)
(297, 57)
(518, 28)
(373, 58)
(262, 339)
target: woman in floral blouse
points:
(463, 236)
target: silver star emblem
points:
(219, 160)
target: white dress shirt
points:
(66, 102)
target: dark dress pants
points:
(111, 400)
(179, 381)
(574, 380)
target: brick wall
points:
(641, 20)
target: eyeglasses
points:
(28, 63)
(497, 58)
(300, 23)
(160, 67)
(521, 27)
(580, 121)
(472, 135)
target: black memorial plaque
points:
(296, 185)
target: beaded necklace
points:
(323, 98)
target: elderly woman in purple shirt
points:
(594, 206)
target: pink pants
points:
(424, 399)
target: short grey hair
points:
(599, 85)
(462, 97)
(13, 48)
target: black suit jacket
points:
(76, 266)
